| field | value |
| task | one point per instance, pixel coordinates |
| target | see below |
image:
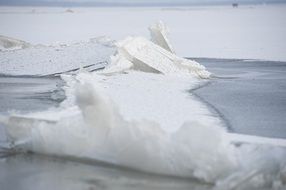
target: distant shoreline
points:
(96, 4)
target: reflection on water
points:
(27, 171)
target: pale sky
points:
(168, 2)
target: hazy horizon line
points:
(121, 4)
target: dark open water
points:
(249, 95)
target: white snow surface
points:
(251, 32)
(47, 60)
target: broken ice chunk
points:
(159, 35)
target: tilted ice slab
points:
(159, 35)
(140, 54)
(155, 56)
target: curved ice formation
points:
(7, 43)
(138, 53)
(101, 132)
(103, 129)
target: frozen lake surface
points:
(249, 95)
(247, 32)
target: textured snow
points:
(47, 60)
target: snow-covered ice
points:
(46, 60)
(248, 32)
